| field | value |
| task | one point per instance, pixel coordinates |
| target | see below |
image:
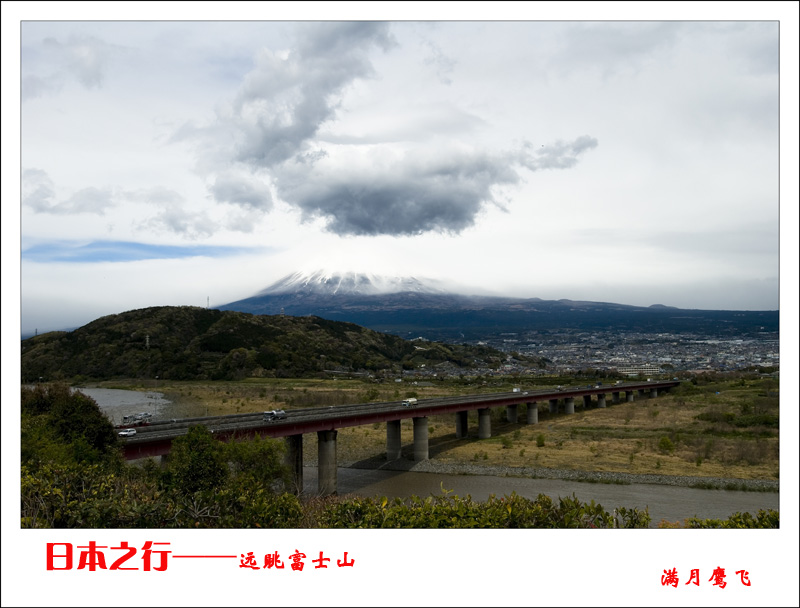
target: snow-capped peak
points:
(350, 283)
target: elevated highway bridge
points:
(155, 439)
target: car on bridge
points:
(274, 415)
(127, 432)
(410, 402)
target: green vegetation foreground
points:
(73, 476)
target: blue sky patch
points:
(122, 251)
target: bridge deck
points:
(156, 438)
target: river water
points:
(116, 403)
(673, 503)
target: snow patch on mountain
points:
(351, 283)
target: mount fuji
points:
(411, 307)
(326, 282)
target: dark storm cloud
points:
(372, 207)
(417, 196)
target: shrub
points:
(669, 525)
(665, 445)
(93, 497)
(763, 519)
(510, 511)
(768, 420)
(726, 417)
(539, 440)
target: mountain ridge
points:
(192, 343)
(451, 316)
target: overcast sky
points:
(186, 163)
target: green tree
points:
(197, 461)
(258, 460)
(59, 423)
(79, 419)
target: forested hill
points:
(193, 343)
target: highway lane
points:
(340, 416)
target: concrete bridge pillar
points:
(587, 401)
(629, 396)
(601, 400)
(511, 413)
(294, 458)
(326, 462)
(420, 438)
(569, 405)
(484, 423)
(393, 443)
(641, 392)
(462, 424)
(533, 413)
(553, 406)
(615, 397)
(654, 392)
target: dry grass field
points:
(717, 429)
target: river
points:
(673, 503)
(116, 403)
